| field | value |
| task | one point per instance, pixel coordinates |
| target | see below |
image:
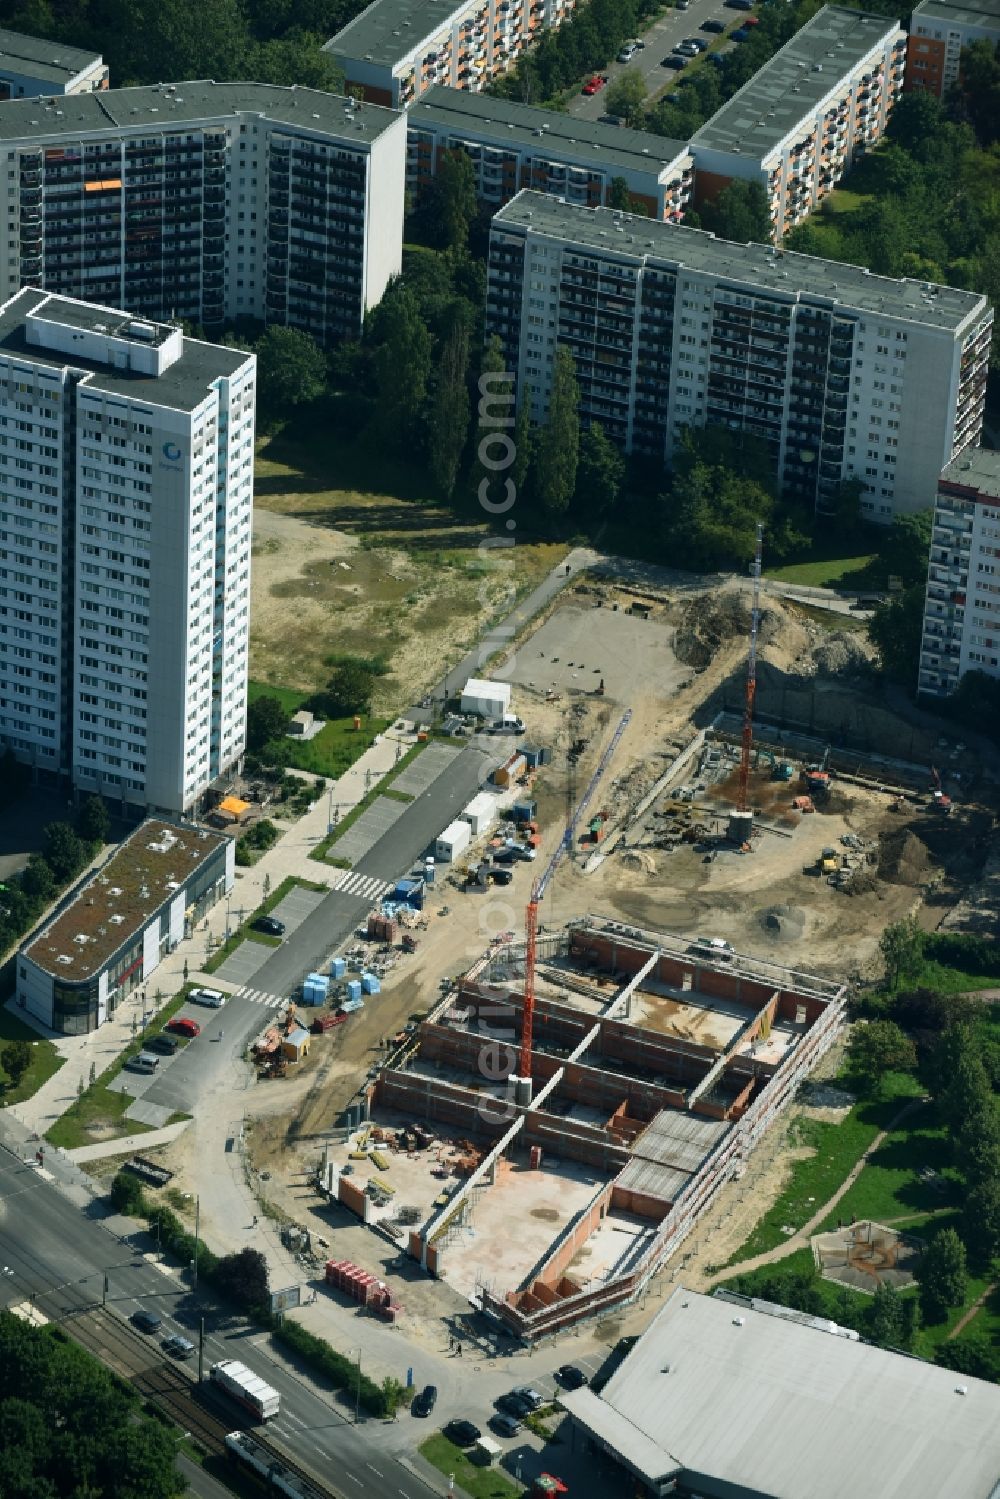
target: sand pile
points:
(903, 858)
(783, 923)
(841, 654)
(708, 622)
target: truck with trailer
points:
(243, 1385)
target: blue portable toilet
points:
(338, 968)
(354, 988)
(370, 984)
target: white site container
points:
(488, 699)
(456, 837)
(480, 812)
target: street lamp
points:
(357, 1393)
(228, 899)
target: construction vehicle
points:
(827, 863)
(783, 770)
(817, 777)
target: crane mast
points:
(743, 802)
(538, 890)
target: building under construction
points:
(656, 1065)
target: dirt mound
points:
(708, 622)
(841, 654)
(783, 923)
(903, 858)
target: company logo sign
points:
(171, 452)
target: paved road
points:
(660, 39)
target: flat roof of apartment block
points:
(785, 275)
(504, 121)
(163, 106)
(388, 30)
(42, 58)
(964, 13)
(795, 81)
(976, 468)
(116, 903)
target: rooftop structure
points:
(961, 611)
(734, 1399)
(796, 126)
(938, 32)
(140, 878)
(34, 65)
(655, 1067)
(844, 374)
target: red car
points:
(595, 84)
(752, 21)
(184, 1027)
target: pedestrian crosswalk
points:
(261, 997)
(366, 886)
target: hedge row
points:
(971, 953)
(322, 1359)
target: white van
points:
(210, 997)
(145, 1061)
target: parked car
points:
(675, 62)
(501, 876)
(523, 852)
(609, 120)
(526, 1393)
(462, 1433)
(752, 21)
(514, 1405)
(738, 4)
(165, 1045)
(595, 84)
(211, 998)
(269, 924)
(683, 4)
(182, 1026)
(715, 27)
(505, 1426)
(425, 1401)
(177, 1346)
(685, 50)
(146, 1321)
(697, 42)
(741, 34)
(504, 856)
(628, 52)
(570, 1377)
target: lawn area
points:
(828, 572)
(843, 200)
(482, 1483)
(838, 1147)
(290, 698)
(242, 932)
(336, 747)
(99, 1114)
(45, 1060)
(948, 980)
(890, 1186)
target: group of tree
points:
(66, 849)
(348, 690)
(71, 1428)
(145, 41)
(592, 36)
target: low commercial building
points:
(396, 50)
(962, 607)
(727, 1398)
(823, 100)
(515, 145)
(74, 973)
(843, 374)
(939, 29)
(32, 66)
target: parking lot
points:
(241, 965)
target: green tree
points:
(556, 456)
(907, 546)
(402, 366)
(452, 198)
(15, 1059)
(266, 720)
(973, 1356)
(349, 689)
(981, 1222)
(942, 1275)
(243, 1277)
(740, 213)
(63, 851)
(895, 630)
(884, 1319)
(93, 821)
(448, 419)
(600, 473)
(291, 370)
(201, 39)
(877, 1047)
(902, 949)
(295, 61)
(712, 514)
(37, 880)
(976, 96)
(626, 96)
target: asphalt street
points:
(660, 39)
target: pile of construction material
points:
(362, 1287)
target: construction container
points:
(370, 984)
(353, 988)
(486, 699)
(510, 771)
(315, 989)
(454, 840)
(338, 968)
(480, 812)
(383, 928)
(410, 892)
(532, 754)
(524, 811)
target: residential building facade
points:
(74, 973)
(396, 50)
(962, 609)
(207, 202)
(514, 145)
(939, 29)
(32, 67)
(843, 374)
(822, 101)
(126, 494)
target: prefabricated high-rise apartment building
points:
(962, 604)
(207, 202)
(126, 494)
(843, 374)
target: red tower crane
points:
(538, 890)
(743, 803)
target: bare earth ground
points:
(346, 572)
